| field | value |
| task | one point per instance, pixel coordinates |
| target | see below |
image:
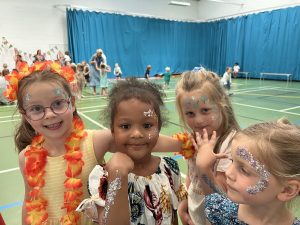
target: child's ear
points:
(291, 190)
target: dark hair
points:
(131, 88)
(24, 132)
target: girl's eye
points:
(205, 110)
(147, 125)
(189, 114)
(244, 171)
(125, 126)
(58, 103)
(35, 109)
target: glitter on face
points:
(196, 103)
(59, 92)
(150, 113)
(27, 97)
(259, 168)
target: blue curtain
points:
(264, 42)
(133, 42)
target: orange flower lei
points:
(36, 159)
(24, 70)
(187, 148)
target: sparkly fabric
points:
(220, 210)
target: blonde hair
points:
(209, 83)
(277, 145)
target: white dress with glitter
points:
(153, 200)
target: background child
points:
(263, 178)
(154, 185)
(202, 103)
(226, 80)
(80, 80)
(236, 70)
(104, 69)
(147, 72)
(117, 71)
(167, 75)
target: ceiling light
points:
(179, 3)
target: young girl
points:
(202, 103)
(104, 69)
(147, 72)
(226, 80)
(154, 185)
(56, 153)
(167, 76)
(263, 178)
(117, 71)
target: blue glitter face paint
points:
(196, 103)
(259, 168)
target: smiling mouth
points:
(54, 126)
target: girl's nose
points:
(49, 113)
(230, 173)
(136, 133)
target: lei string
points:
(36, 159)
(24, 71)
(187, 148)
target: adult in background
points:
(39, 57)
(96, 60)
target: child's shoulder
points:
(171, 164)
(221, 210)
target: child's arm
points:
(206, 160)
(118, 168)
(167, 144)
(103, 142)
(22, 166)
(183, 207)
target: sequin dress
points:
(220, 210)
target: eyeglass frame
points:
(68, 101)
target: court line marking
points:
(9, 170)
(296, 107)
(258, 107)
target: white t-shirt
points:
(236, 68)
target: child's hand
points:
(184, 213)
(121, 162)
(204, 146)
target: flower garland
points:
(24, 71)
(187, 148)
(36, 159)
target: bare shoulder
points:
(102, 142)
(22, 160)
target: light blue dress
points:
(103, 79)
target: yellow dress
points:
(53, 190)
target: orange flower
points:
(72, 183)
(24, 70)
(72, 195)
(187, 148)
(35, 163)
